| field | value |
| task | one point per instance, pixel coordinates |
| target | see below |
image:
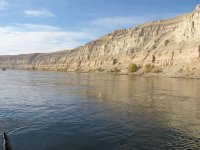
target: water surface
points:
(60, 111)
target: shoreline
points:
(110, 73)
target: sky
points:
(29, 26)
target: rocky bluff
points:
(172, 46)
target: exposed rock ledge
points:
(172, 46)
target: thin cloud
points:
(107, 25)
(126, 21)
(30, 38)
(119, 21)
(39, 13)
(36, 27)
(3, 4)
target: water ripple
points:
(48, 111)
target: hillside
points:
(172, 46)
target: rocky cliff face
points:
(172, 46)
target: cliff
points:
(171, 46)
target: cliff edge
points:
(171, 47)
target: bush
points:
(115, 70)
(133, 68)
(148, 68)
(100, 70)
(158, 70)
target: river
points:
(70, 111)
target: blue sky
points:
(28, 26)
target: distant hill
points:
(168, 47)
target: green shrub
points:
(133, 68)
(115, 70)
(158, 70)
(148, 68)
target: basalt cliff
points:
(170, 47)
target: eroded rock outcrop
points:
(172, 45)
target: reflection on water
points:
(49, 110)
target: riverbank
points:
(139, 73)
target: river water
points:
(71, 111)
